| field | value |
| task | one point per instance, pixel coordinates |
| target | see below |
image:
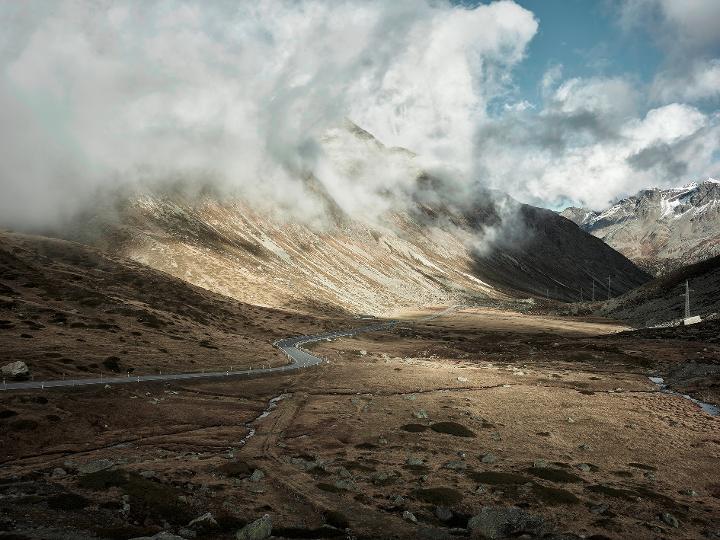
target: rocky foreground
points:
(482, 423)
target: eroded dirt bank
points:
(402, 434)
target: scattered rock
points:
(462, 379)
(443, 513)
(500, 522)
(584, 467)
(540, 464)
(381, 478)
(58, 472)
(689, 492)
(409, 516)
(257, 475)
(257, 530)
(599, 508)
(95, 465)
(421, 414)
(488, 458)
(345, 485)
(203, 523)
(414, 462)
(17, 371)
(456, 465)
(671, 520)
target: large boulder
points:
(494, 522)
(17, 371)
(257, 530)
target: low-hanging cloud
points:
(252, 97)
(591, 142)
(94, 95)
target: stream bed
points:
(712, 410)
(249, 425)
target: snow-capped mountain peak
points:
(660, 228)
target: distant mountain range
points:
(659, 229)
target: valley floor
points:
(401, 434)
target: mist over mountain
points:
(445, 244)
(241, 96)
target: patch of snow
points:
(667, 207)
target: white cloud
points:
(687, 32)
(679, 25)
(609, 97)
(698, 82)
(245, 94)
(240, 92)
(589, 143)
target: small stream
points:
(272, 404)
(712, 410)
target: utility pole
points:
(608, 287)
(687, 299)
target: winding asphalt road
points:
(299, 358)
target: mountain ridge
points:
(659, 229)
(425, 240)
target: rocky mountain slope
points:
(373, 233)
(412, 259)
(658, 229)
(662, 300)
(70, 310)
